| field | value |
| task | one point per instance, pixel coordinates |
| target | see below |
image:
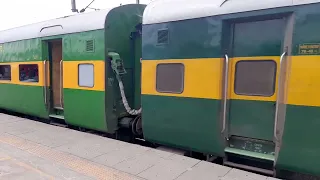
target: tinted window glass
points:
(170, 78)
(256, 78)
(5, 72)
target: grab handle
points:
(45, 81)
(61, 88)
(225, 97)
(277, 100)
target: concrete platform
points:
(31, 150)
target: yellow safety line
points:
(5, 158)
(33, 169)
(74, 163)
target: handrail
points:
(225, 93)
(277, 100)
(45, 81)
(61, 88)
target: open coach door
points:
(53, 77)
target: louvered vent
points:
(163, 36)
(90, 46)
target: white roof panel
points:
(64, 25)
(159, 11)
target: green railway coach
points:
(232, 80)
(63, 68)
(235, 79)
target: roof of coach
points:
(159, 11)
(64, 25)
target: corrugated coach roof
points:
(64, 25)
(160, 11)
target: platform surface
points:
(31, 150)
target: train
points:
(235, 82)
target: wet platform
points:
(32, 150)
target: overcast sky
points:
(15, 13)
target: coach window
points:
(5, 72)
(255, 78)
(86, 75)
(170, 78)
(28, 73)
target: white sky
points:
(15, 13)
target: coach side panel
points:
(300, 144)
(181, 87)
(20, 91)
(84, 104)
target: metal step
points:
(251, 154)
(249, 160)
(58, 124)
(59, 108)
(58, 111)
(250, 168)
(56, 116)
(57, 120)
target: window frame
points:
(92, 75)
(183, 78)
(19, 74)
(10, 72)
(256, 94)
